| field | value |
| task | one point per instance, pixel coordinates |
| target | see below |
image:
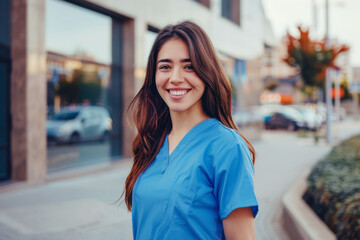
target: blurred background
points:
(69, 68)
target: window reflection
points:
(79, 125)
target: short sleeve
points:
(234, 179)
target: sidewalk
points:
(77, 208)
(282, 158)
(81, 208)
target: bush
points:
(334, 189)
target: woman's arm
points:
(239, 224)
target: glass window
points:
(206, 3)
(80, 109)
(230, 9)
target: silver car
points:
(74, 124)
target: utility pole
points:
(328, 79)
(337, 95)
(315, 18)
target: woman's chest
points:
(187, 173)
(176, 194)
(177, 189)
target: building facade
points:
(41, 77)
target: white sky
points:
(344, 20)
(70, 28)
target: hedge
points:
(334, 189)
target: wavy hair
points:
(150, 113)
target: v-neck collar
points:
(183, 143)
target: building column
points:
(28, 90)
(128, 82)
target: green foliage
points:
(334, 189)
(84, 86)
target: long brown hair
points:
(150, 113)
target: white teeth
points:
(178, 92)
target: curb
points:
(299, 220)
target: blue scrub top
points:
(187, 194)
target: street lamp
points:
(328, 79)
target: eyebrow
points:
(169, 60)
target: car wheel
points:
(74, 138)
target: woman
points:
(192, 176)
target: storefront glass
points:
(80, 110)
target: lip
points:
(177, 97)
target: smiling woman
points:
(192, 176)
(176, 80)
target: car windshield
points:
(63, 116)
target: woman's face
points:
(176, 81)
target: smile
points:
(178, 92)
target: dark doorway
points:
(5, 89)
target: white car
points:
(74, 124)
(313, 119)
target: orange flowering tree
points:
(311, 57)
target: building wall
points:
(240, 42)
(28, 91)
(28, 77)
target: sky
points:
(344, 17)
(78, 30)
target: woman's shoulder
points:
(223, 136)
(225, 133)
(225, 148)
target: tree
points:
(83, 86)
(311, 57)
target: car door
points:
(87, 124)
(97, 115)
(276, 121)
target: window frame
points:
(231, 10)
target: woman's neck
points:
(183, 122)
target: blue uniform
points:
(187, 194)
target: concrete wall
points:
(28, 92)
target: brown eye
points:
(164, 67)
(189, 67)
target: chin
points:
(177, 110)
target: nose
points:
(176, 76)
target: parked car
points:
(286, 118)
(74, 124)
(313, 119)
(335, 116)
(267, 111)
